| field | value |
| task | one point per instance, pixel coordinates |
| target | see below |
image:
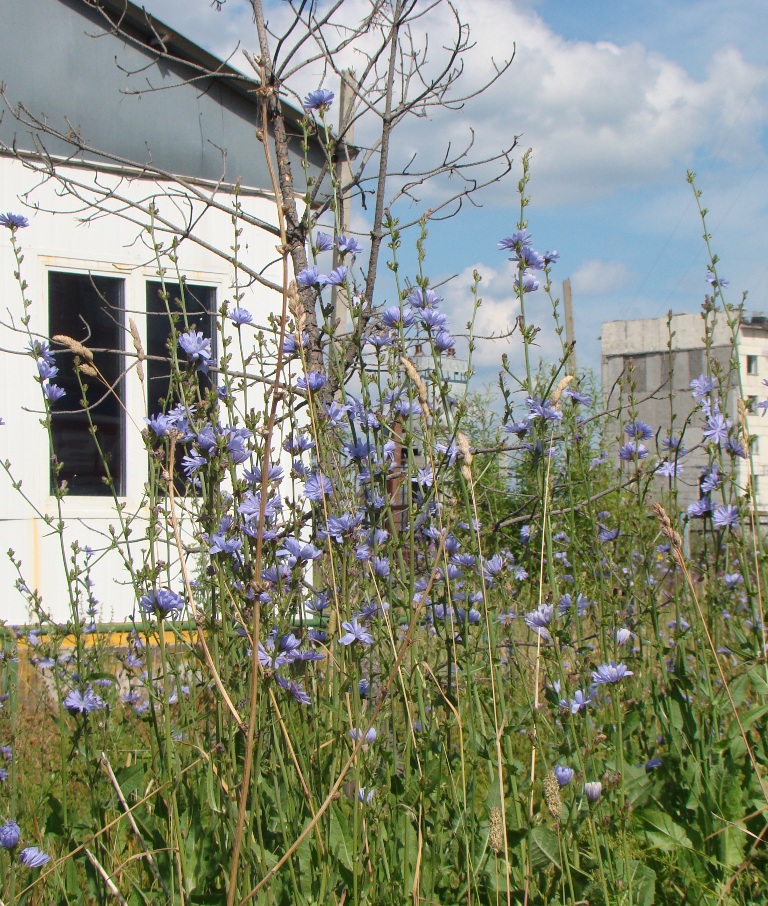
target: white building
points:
(654, 360)
(89, 277)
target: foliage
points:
(365, 665)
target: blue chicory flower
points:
(579, 701)
(379, 341)
(702, 386)
(295, 689)
(296, 551)
(396, 317)
(197, 348)
(336, 277)
(717, 427)
(10, 834)
(292, 344)
(317, 486)
(639, 430)
(610, 673)
(13, 222)
(592, 790)
(527, 282)
(46, 371)
(53, 393)
(159, 424)
(632, 449)
(33, 857)
(162, 602)
(519, 240)
(530, 258)
(298, 443)
(710, 481)
(355, 632)
(623, 635)
(715, 281)
(539, 619)
(423, 298)
(77, 702)
(668, 468)
(310, 276)
(350, 245)
(240, 316)
(312, 381)
(433, 317)
(320, 100)
(369, 737)
(444, 341)
(725, 516)
(581, 398)
(539, 408)
(700, 507)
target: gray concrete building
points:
(647, 367)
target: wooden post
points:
(570, 338)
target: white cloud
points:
(600, 278)
(495, 321)
(600, 116)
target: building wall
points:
(57, 239)
(115, 101)
(118, 96)
(638, 355)
(753, 357)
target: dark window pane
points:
(90, 310)
(200, 305)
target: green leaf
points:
(751, 716)
(131, 779)
(544, 848)
(660, 831)
(55, 823)
(639, 881)
(731, 845)
(738, 688)
(759, 679)
(637, 784)
(340, 837)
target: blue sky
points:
(617, 99)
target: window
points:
(200, 305)
(751, 364)
(89, 443)
(752, 403)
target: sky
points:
(617, 100)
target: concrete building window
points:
(199, 302)
(752, 403)
(89, 442)
(751, 364)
